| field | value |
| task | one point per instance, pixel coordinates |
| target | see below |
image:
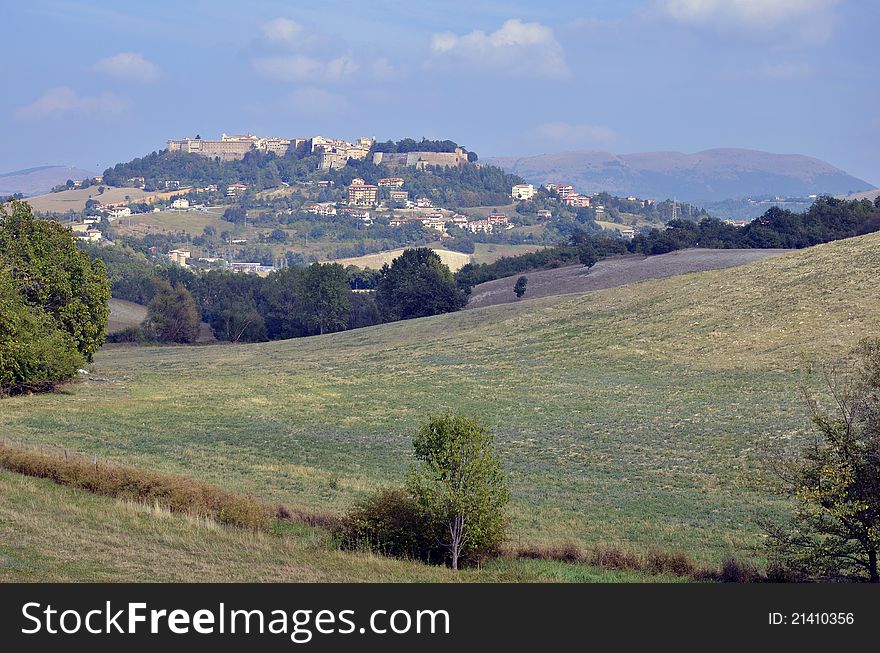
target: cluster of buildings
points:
(234, 147)
(332, 153)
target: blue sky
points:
(93, 83)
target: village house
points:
(401, 196)
(180, 203)
(498, 219)
(577, 201)
(90, 235)
(522, 192)
(324, 208)
(116, 212)
(234, 190)
(545, 214)
(628, 233)
(479, 226)
(391, 182)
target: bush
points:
(175, 493)
(35, 355)
(390, 522)
(131, 335)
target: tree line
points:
(826, 220)
(293, 302)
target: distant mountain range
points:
(711, 175)
(36, 181)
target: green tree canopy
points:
(834, 481)
(459, 482)
(54, 275)
(172, 314)
(417, 284)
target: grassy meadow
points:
(632, 416)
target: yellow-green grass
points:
(125, 314)
(50, 533)
(191, 221)
(454, 260)
(490, 252)
(631, 416)
(483, 211)
(76, 199)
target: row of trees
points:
(53, 302)
(826, 220)
(293, 302)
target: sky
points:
(93, 83)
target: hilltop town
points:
(253, 204)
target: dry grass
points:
(171, 492)
(455, 260)
(75, 200)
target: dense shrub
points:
(175, 493)
(54, 276)
(35, 355)
(390, 522)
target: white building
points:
(180, 203)
(522, 192)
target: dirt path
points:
(614, 272)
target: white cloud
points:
(129, 66)
(63, 100)
(785, 71)
(574, 135)
(302, 68)
(809, 20)
(284, 31)
(517, 49)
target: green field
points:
(630, 416)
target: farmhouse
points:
(180, 203)
(90, 235)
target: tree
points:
(459, 482)
(417, 284)
(835, 480)
(519, 288)
(587, 255)
(53, 275)
(35, 353)
(325, 303)
(172, 314)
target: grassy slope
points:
(54, 534)
(623, 417)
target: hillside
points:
(33, 181)
(623, 417)
(454, 260)
(711, 175)
(75, 200)
(613, 272)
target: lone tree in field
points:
(519, 289)
(459, 482)
(417, 284)
(172, 314)
(835, 480)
